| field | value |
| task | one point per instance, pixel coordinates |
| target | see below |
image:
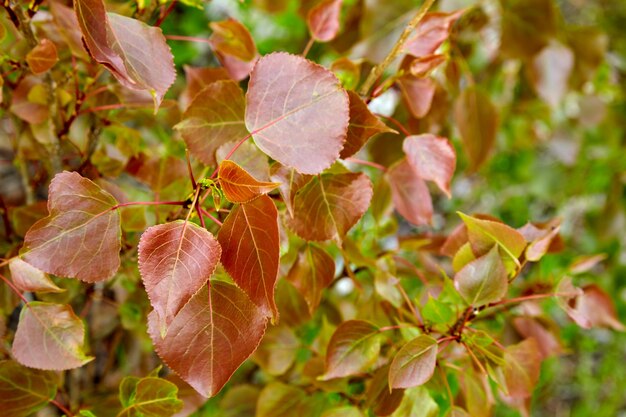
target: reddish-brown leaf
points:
(432, 157)
(432, 31)
(329, 205)
(231, 38)
(477, 120)
(211, 336)
(197, 78)
(483, 280)
(414, 364)
(50, 336)
(135, 53)
(548, 343)
(323, 20)
(42, 57)
(363, 125)
(418, 94)
(32, 108)
(80, 237)
(297, 112)
(422, 67)
(239, 186)
(250, 250)
(353, 348)
(410, 194)
(175, 260)
(68, 28)
(313, 271)
(522, 363)
(594, 308)
(28, 278)
(214, 117)
(290, 182)
(248, 155)
(23, 391)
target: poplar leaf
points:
(212, 335)
(214, 117)
(329, 205)
(42, 57)
(362, 126)
(522, 364)
(353, 348)
(80, 237)
(313, 271)
(414, 364)
(484, 233)
(238, 185)
(477, 120)
(230, 37)
(323, 20)
(250, 250)
(175, 260)
(290, 182)
(483, 280)
(50, 337)
(297, 111)
(148, 397)
(418, 94)
(23, 391)
(431, 32)
(432, 157)
(28, 278)
(135, 53)
(410, 194)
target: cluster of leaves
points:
(241, 223)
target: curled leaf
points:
(323, 20)
(238, 185)
(28, 278)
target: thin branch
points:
(399, 125)
(61, 407)
(308, 46)
(367, 163)
(186, 38)
(166, 13)
(378, 70)
(232, 151)
(210, 216)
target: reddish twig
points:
(367, 163)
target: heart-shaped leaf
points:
(432, 157)
(483, 280)
(28, 278)
(42, 57)
(410, 194)
(23, 391)
(363, 125)
(135, 53)
(290, 182)
(230, 37)
(250, 250)
(211, 336)
(313, 271)
(329, 205)
(522, 364)
(431, 32)
(148, 397)
(175, 260)
(418, 94)
(414, 364)
(352, 349)
(323, 20)
(484, 233)
(80, 237)
(239, 186)
(297, 112)
(214, 117)
(50, 336)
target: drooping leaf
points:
(214, 117)
(329, 205)
(477, 120)
(211, 336)
(594, 308)
(297, 112)
(23, 391)
(238, 185)
(240, 401)
(231, 38)
(250, 250)
(135, 53)
(148, 397)
(432, 157)
(550, 71)
(382, 399)
(80, 237)
(280, 400)
(418, 94)
(50, 337)
(548, 342)
(431, 32)
(483, 234)
(410, 194)
(417, 402)
(414, 364)
(290, 182)
(42, 57)
(363, 125)
(522, 364)
(176, 259)
(422, 67)
(483, 280)
(277, 351)
(67, 24)
(353, 348)
(28, 278)
(313, 271)
(323, 20)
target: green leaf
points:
(148, 397)
(483, 280)
(417, 402)
(437, 312)
(24, 391)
